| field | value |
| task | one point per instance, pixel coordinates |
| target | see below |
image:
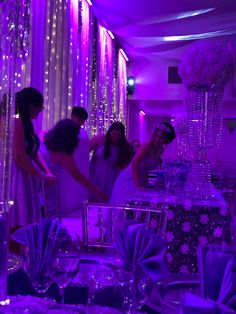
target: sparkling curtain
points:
(121, 82)
(108, 83)
(61, 60)
(86, 44)
(68, 56)
(14, 52)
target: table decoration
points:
(217, 278)
(141, 250)
(43, 241)
(205, 69)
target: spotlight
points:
(130, 85)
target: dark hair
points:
(79, 112)
(24, 98)
(63, 137)
(125, 149)
(169, 133)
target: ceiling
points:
(145, 28)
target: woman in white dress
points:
(147, 158)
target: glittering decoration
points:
(183, 150)
(122, 81)
(205, 117)
(205, 79)
(14, 51)
(61, 60)
(94, 108)
(85, 60)
(109, 83)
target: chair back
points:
(100, 222)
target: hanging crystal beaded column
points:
(205, 116)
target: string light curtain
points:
(109, 83)
(102, 95)
(14, 52)
(61, 65)
(110, 69)
(122, 84)
(86, 59)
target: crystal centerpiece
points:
(205, 69)
(205, 116)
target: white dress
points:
(70, 194)
(27, 198)
(81, 156)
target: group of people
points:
(115, 170)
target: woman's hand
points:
(49, 178)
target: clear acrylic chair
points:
(50, 200)
(101, 221)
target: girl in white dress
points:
(147, 158)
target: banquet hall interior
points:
(117, 156)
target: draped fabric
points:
(60, 48)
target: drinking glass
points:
(65, 266)
(37, 269)
(128, 291)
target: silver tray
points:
(167, 294)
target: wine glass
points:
(128, 291)
(65, 266)
(37, 269)
(145, 286)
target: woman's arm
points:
(40, 162)
(141, 153)
(68, 162)
(96, 141)
(19, 154)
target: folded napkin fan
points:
(217, 268)
(141, 249)
(41, 239)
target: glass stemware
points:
(65, 266)
(37, 269)
(128, 291)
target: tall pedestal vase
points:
(205, 116)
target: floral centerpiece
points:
(206, 63)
